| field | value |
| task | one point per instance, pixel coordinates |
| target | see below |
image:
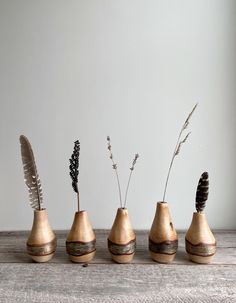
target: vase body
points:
(200, 242)
(41, 244)
(122, 240)
(81, 240)
(163, 239)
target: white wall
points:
(130, 69)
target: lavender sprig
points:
(114, 166)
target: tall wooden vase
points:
(200, 242)
(122, 240)
(163, 239)
(81, 240)
(41, 244)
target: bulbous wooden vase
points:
(200, 243)
(81, 240)
(122, 240)
(163, 239)
(41, 244)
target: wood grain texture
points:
(163, 239)
(81, 240)
(200, 241)
(122, 235)
(104, 281)
(41, 244)
(117, 283)
(13, 250)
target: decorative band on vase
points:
(122, 249)
(42, 249)
(165, 247)
(79, 248)
(201, 249)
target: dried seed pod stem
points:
(202, 192)
(130, 175)
(178, 146)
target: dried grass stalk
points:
(130, 175)
(178, 147)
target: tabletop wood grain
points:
(59, 280)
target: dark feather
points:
(202, 192)
(74, 166)
(31, 175)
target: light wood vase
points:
(41, 244)
(81, 240)
(122, 240)
(200, 242)
(163, 239)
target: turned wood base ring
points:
(42, 250)
(122, 249)
(79, 248)
(200, 260)
(165, 247)
(122, 259)
(163, 252)
(202, 253)
(122, 253)
(162, 258)
(42, 259)
(83, 259)
(201, 249)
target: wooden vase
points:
(200, 242)
(122, 240)
(41, 244)
(163, 239)
(81, 240)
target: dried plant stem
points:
(178, 147)
(171, 164)
(78, 201)
(127, 188)
(118, 182)
(130, 175)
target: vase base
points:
(200, 259)
(42, 259)
(122, 258)
(162, 258)
(83, 259)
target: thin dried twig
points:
(178, 147)
(130, 175)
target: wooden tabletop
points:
(59, 280)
